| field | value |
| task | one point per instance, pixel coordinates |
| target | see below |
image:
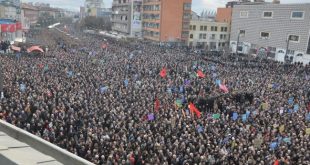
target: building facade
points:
(224, 15)
(10, 20)
(166, 20)
(278, 31)
(30, 12)
(209, 35)
(126, 17)
(91, 7)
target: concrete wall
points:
(279, 26)
(41, 145)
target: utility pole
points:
(237, 42)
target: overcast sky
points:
(197, 5)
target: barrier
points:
(41, 145)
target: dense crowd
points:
(111, 106)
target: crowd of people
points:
(4, 46)
(128, 104)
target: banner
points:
(8, 28)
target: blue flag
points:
(244, 117)
(287, 140)
(291, 101)
(126, 82)
(235, 116)
(103, 89)
(308, 117)
(248, 114)
(181, 89)
(199, 129)
(218, 82)
(289, 111)
(296, 107)
(70, 73)
(273, 145)
(22, 87)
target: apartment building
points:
(208, 34)
(126, 17)
(166, 20)
(10, 20)
(277, 31)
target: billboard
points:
(136, 20)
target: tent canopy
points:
(35, 48)
(15, 48)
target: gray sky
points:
(197, 5)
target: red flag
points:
(157, 104)
(200, 74)
(276, 162)
(193, 109)
(104, 46)
(163, 73)
(224, 88)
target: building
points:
(30, 12)
(91, 7)
(210, 35)
(82, 12)
(126, 17)
(277, 31)
(224, 15)
(104, 13)
(166, 20)
(10, 20)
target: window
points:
(212, 28)
(223, 29)
(190, 27)
(293, 38)
(205, 28)
(242, 32)
(291, 52)
(297, 15)
(201, 28)
(204, 36)
(215, 28)
(200, 36)
(194, 27)
(187, 6)
(191, 36)
(299, 55)
(213, 36)
(244, 14)
(264, 35)
(267, 14)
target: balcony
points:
(120, 21)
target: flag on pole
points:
(200, 74)
(193, 109)
(224, 88)
(157, 104)
(163, 73)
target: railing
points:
(41, 145)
